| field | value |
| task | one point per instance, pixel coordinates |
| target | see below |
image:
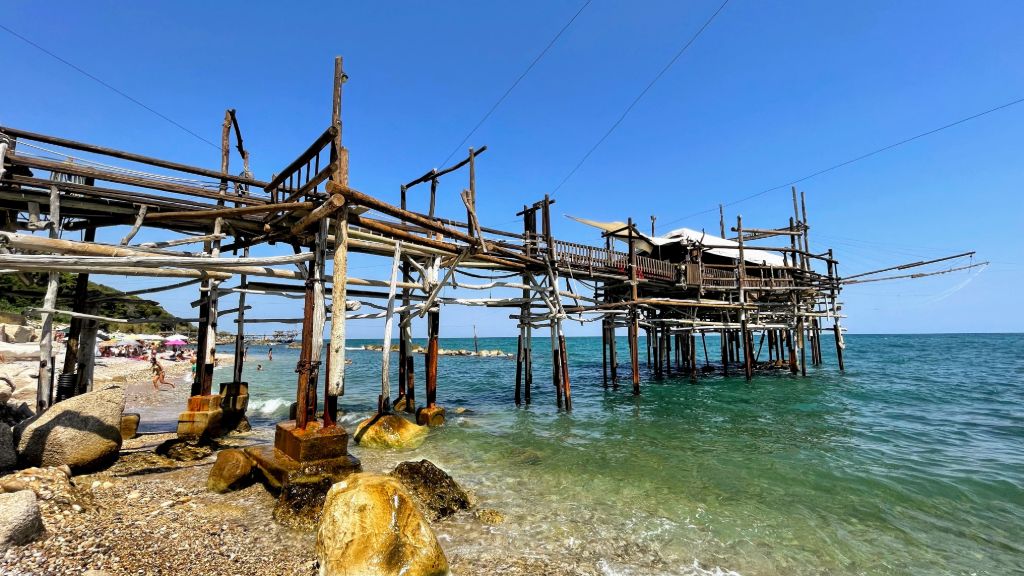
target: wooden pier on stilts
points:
(680, 288)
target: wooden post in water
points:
(384, 402)
(725, 345)
(564, 358)
(833, 279)
(433, 327)
(748, 368)
(405, 384)
(604, 351)
(792, 353)
(693, 357)
(634, 320)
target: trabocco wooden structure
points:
(678, 287)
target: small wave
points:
(270, 407)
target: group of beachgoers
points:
(179, 355)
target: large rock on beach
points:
(389, 431)
(18, 334)
(371, 526)
(8, 456)
(22, 378)
(439, 493)
(232, 470)
(20, 519)
(6, 389)
(83, 432)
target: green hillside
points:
(16, 296)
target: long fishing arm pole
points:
(918, 275)
(910, 265)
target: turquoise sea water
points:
(912, 462)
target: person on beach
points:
(245, 354)
(158, 373)
(270, 354)
(259, 367)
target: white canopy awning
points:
(719, 246)
(688, 237)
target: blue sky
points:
(771, 92)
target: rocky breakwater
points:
(417, 349)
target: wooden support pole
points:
(668, 351)
(319, 317)
(335, 384)
(44, 385)
(792, 352)
(693, 357)
(748, 368)
(704, 345)
(556, 365)
(634, 319)
(563, 357)
(384, 401)
(240, 346)
(305, 395)
(518, 397)
(833, 276)
(86, 355)
(724, 337)
(80, 304)
(433, 327)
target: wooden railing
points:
(592, 258)
(722, 276)
(304, 174)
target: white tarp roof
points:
(688, 236)
(718, 246)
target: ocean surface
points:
(910, 462)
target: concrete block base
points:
(202, 419)
(129, 425)
(430, 416)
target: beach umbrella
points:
(180, 337)
(175, 342)
(126, 342)
(108, 343)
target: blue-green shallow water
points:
(912, 462)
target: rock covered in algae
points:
(371, 526)
(439, 493)
(389, 431)
(232, 470)
(83, 432)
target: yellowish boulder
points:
(371, 526)
(389, 431)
